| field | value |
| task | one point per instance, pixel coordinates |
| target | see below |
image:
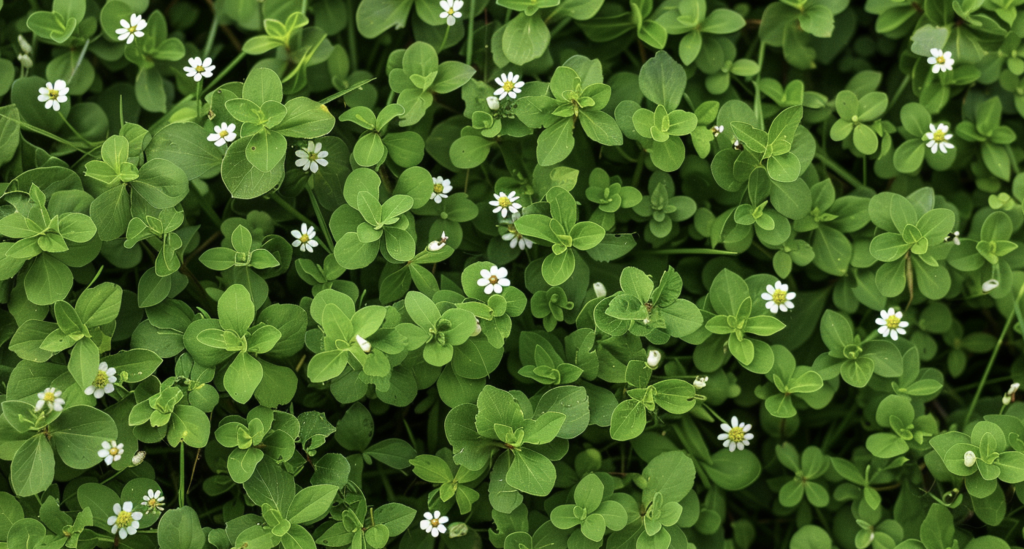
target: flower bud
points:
(138, 458)
(25, 60)
(970, 459)
(989, 285)
(478, 329)
(653, 358)
(26, 48)
(363, 344)
(436, 245)
(493, 103)
(701, 382)
(600, 290)
(956, 237)
(1008, 397)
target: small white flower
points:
(505, 203)
(778, 297)
(199, 68)
(363, 344)
(938, 138)
(1008, 397)
(442, 187)
(970, 459)
(940, 61)
(493, 103)
(436, 245)
(737, 145)
(451, 13)
(225, 133)
(312, 157)
(103, 385)
(478, 329)
(304, 239)
(154, 501)
(653, 358)
(989, 285)
(736, 436)
(508, 85)
(26, 48)
(138, 458)
(54, 94)
(124, 522)
(493, 280)
(434, 524)
(891, 324)
(599, 290)
(514, 237)
(955, 235)
(50, 398)
(111, 452)
(130, 30)
(25, 60)
(717, 130)
(701, 382)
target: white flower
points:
(955, 235)
(493, 103)
(26, 61)
(778, 297)
(701, 382)
(737, 145)
(478, 329)
(154, 502)
(938, 138)
(891, 324)
(442, 187)
(138, 458)
(505, 203)
(304, 239)
(653, 358)
(124, 522)
(599, 290)
(225, 133)
(508, 85)
(103, 385)
(363, 344)
(989, 285)
(199, 68)
(111, 452)
(940, 61)
(736, 436)
(514, 237)
(451, 13)
(717, 130)
(434, 524)
(436, 245)
(1008, 397)
(970, 459)
(50, 398)
(54, 94)
(130, 30)
(493, 280)
(311, 158)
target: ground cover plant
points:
(519, 274)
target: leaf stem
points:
(291, 209)
(899, 92)
(691, 251)
(469, 42)
(211, 35)
(447, 29)
(224, 72)
(181, 476)
(757, 86)
(328, 241)
(995, 352)
(842, 172)
(81, 56)
(73, 130)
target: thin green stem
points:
(899, 92)
(40, 131)
(211, 35)
(995, 352)
(199, 101)
(74, 131)
(181, 477)
(757, 86)
(112, 477)
(205, 205)
(713, 412)
(325, 234)
(444, 40)
(291, 209)
(81, 56)
(224, 72)
(691, 251)
(469, 42)
(838, 170)
(353, 58)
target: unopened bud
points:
(493, 103)
(478, 329)
(970, 459)
(989, 285)
(25, 60)
(600, 290)
(138, 458)
(436, 245)
(26, 48)
(363, 344)
(653, 358)
(701, 382)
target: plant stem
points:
(325, 233)
(224, 72)
(211, 35)
(842, 172)
(291, 209)
(181, 477)
(199, 101)
(691, 251)
(757, 86)
(73, 130)
(353, 58)
(899, 92)
(81, 56)
(205, 205)
(469, 43)
(447, 29)
(112, 477)
(992, 358)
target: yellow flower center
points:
(736, 434)
(508, 85)
(938, 135)
(124, 519)
(304, 238)
(312, 156)
(451, 11)
(223, 133)
(152, 503)
(49, 396)
(434, 522)
(54, 94)
(114, 451)
(779, 297)
(892, 322)
(512, 229)
(504, 202)
(198, 68)
(493, 279)
(438, 188)
(131, 29)
(940, 60)
(101, 380)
